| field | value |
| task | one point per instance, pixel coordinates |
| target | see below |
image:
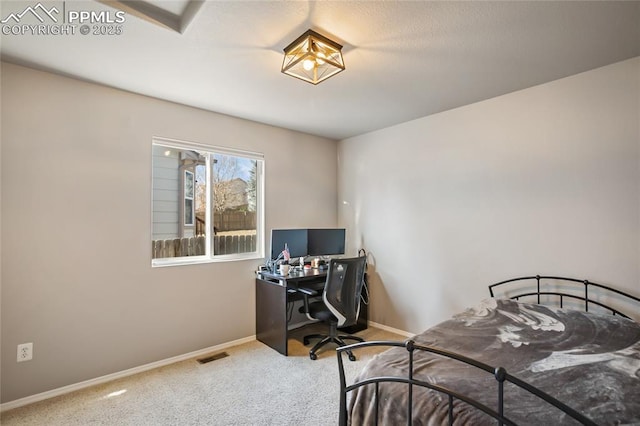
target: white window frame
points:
(191, 198)
(209, 256)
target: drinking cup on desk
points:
(284, 269)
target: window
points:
(207, 203)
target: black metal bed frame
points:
(562, 295)
(499, 373)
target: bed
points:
(542, 350)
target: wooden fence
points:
(195, 246)
(234, 221)
(227, 221)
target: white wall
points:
(541, 181)
(76, 234)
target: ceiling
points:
(404, 60)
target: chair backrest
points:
(343, 287)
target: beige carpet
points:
(254, 385)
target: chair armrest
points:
(308, 291)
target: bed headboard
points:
(573, 289)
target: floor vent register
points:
(214, 357)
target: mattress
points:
(589, 361)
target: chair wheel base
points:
(313, 356)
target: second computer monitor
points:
(325, 242)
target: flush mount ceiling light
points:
(312, 58)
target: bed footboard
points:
(500, 374)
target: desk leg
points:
(271, 315)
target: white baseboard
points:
(390, 329)
(369, 323)
(114, 376)
(109, 377)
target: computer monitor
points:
(295, 239)
(325, 242)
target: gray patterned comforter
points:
(591, 362)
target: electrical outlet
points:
(25, 352)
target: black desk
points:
(274, 291)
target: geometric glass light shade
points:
(312, 58)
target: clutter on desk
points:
(275, 266)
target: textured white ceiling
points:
(176, 7)
(404, 60)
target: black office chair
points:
(340, 305)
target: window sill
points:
(198, 260)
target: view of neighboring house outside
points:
(181, 189)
